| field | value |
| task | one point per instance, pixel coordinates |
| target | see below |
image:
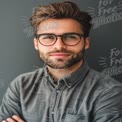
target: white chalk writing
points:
(113, 63)
(106, 12)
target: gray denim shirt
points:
(84, 96)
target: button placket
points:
(54, 104)
(55, 101)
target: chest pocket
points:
(73, 118)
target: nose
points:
(59, 45)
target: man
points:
(66, 89)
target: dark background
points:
(17, 53)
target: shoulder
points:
(105, 89)
(108, 97)
(28, 79)
(103, 82)
(34, 74)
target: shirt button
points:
(58, 91)
(52, 112)
(70, 84)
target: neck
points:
(58, 74)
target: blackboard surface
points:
(17, 54)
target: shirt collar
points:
(74, 77)
(77, 76)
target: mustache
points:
(60, 51)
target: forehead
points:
(59, 26)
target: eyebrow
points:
(61, 34)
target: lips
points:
(61, 55)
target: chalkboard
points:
(17, 53)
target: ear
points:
(87, 43)
(36, 44)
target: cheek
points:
(78, 48)
(81, 46)
(44, 50)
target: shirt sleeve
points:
(11, 102)
(108, 107)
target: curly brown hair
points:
(66, 9)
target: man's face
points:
(59, 55)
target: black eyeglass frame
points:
(56, 37)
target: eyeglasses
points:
(70, 39)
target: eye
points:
(48, 37)
(71, 36)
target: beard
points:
(60, 63)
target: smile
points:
(59, 54)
